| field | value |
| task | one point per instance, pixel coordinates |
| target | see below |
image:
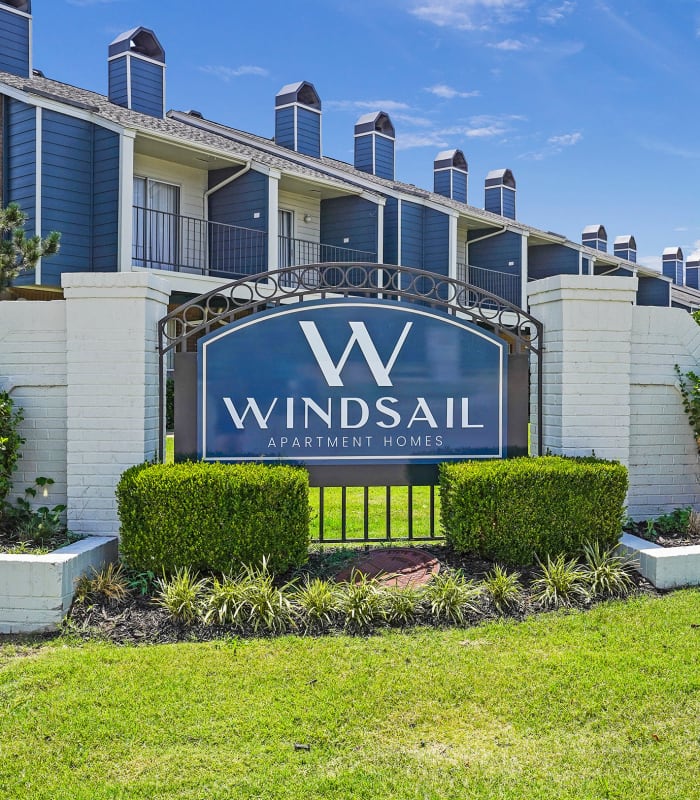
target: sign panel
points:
(351, 381)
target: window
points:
(156, 210)
(286, 234)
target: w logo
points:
(360, 336)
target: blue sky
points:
(593, 104)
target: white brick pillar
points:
(587, 363)
(112, 395)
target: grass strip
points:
(603, 704)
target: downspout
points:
(223, 183)
(210, 192)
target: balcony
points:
(188, 244)
(503, 284)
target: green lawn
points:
(604, 704)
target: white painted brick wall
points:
(112, 399)
(663, 464)
(610, 385)
(33, 370)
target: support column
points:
(112, 394)
(587, 364)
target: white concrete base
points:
(37, 591)
(665, 567)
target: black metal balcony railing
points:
(163, 240)
(503, 284)
(174, 242)
(301, 252)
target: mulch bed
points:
(138, 621)
(672, 539)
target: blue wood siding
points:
(147, 89)
(546, 260)
(391, 231)
(20, 158)
(19, 165)
(79, 188)
(436, 241)
(363, 153)
(459, 186)
(352, 218)
(237, 204)
(284, 127)
(384, 158)
(493, 201)
(441, 183)
(309, 132)
(508, 203)
(105, 205)
(674, 270)
(14, 43)
(626, 253)
(653, 292)
(66, 193)
(496, 252)
(411, 235)
(500, 200)
(118, 85)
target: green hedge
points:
(213, 516)
(512, 510)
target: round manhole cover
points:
(394, 566)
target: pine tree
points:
(18, 251)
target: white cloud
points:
(367, 105)
(669, 149)
(566, 140)
(448, 93)
(411, 119)
(467, 14)
(555, 145)
(553, 14)
(484, 133)
(653, 262)
(226, 73)
(695, 255)
(409, 141)
(510, 45)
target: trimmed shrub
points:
(213, 516)
(10, 443)
(515, 510)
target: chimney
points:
(374, 145)
(298, 118)
(450, 172)
(692, 273)
(625, 247)
(499, 195)
(137, 72)
(595, 236)
(16, 39)
(673, 266)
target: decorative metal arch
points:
(267, 290)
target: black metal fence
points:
(367, 514)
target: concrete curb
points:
(665, 567)
(37, 591)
